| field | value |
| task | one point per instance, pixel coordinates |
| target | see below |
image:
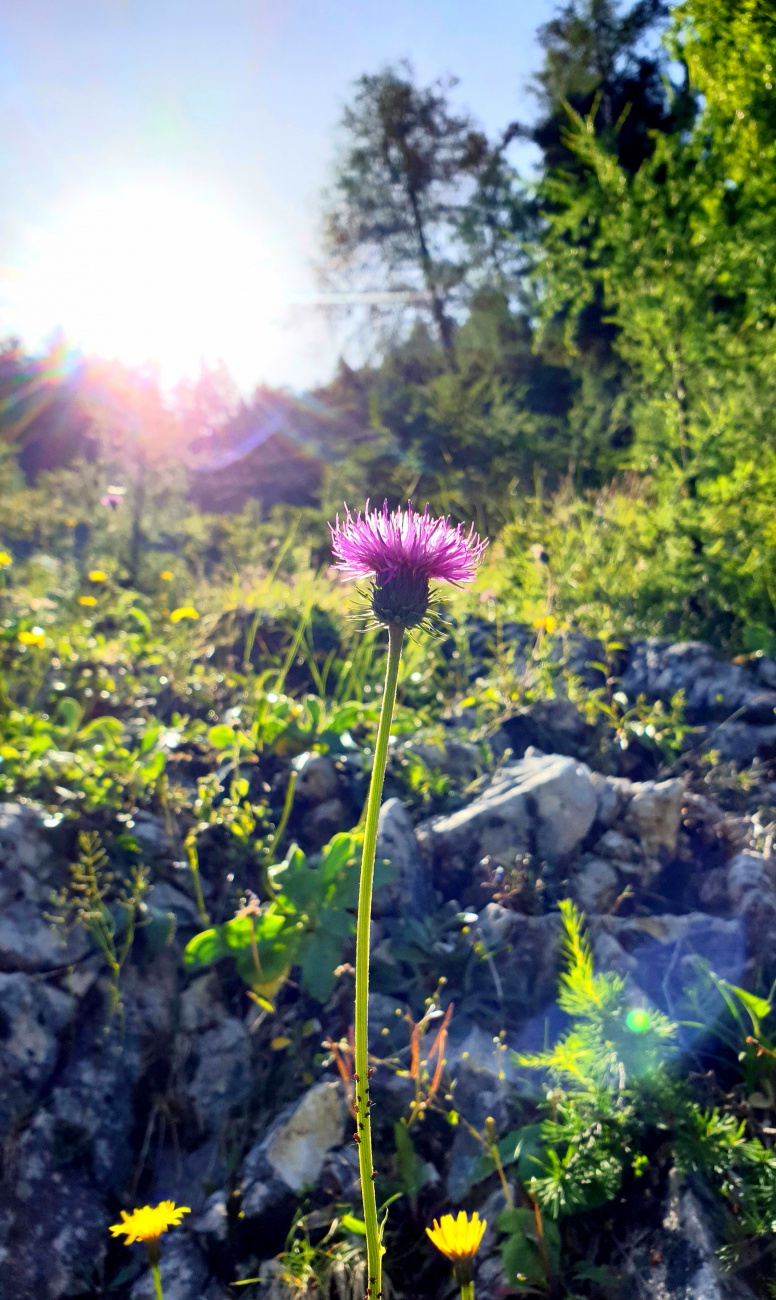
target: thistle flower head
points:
(149, 1222)
(458, 1238)
(403, 552)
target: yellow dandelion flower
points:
(5, 559)
(167, 575)
(546, 624)
(87, 600)
(36, 637)
(185, 611)
(148, 1223)
(97, 575)
(458, 1238)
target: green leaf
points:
(522, 1146)
(222, 736)
(322, 953)
(336, 855)
(414, 1174)
(757, 1007)
(69, 713)
(141, 618)
(352, 1224)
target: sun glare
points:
(152, 274)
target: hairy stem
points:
(363, 1125)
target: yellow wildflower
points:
(185, 611)
(97, 575)
(5, 559)
(87, 600)
(167, 575)
(546, 624)
(148, 1223)
(36, 637)
(457, 1238)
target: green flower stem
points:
(363, 1124)
(157, 1281)
(467, 1291)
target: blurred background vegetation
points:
(581, 363)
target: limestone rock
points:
(545, 804)
(679, 1260)
(290, 1156)
(409, 892)
(31, 1017)
(654, 814)
(317, 778)
(596, 885)
(223, 1074)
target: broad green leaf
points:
(320, 957)
(222, 736)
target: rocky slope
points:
(194, 1093)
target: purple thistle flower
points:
(403, 552)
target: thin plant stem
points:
(363, 1123)
(286, 813)
(190, 845)
(467, 1290)
(157, 1281)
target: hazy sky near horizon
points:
(160, 149)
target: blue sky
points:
(235, 104)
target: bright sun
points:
(150, 273)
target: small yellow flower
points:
(87, 600)
(546, 624)
(167, 575)
(185, 611)
(97, 575)
(148, 1223)
(458, 1238)
(36, 637)
(5, 559)
(70, 523)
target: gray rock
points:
(24, 852)
(31, 1018)
(713, 688)
(212, 1222)
(596, 885)
(664, 949)
(524, 953)
(28, 942)
(747, 872)
(545, 804)
(317, 778)
(183, 1270)
(222, 1078)
(654, 814)
(679, 1261)
(323, 822)
(150, 831)
(409, 891)
(290, 1156)
(201, 1004)
(618, 847)
(460, 760)
(53, 1222)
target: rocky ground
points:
(186, 1094)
